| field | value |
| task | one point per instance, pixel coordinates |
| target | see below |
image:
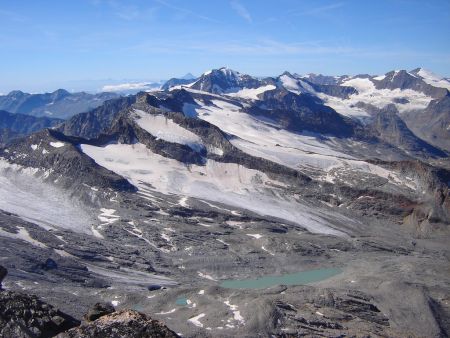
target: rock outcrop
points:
(23, 315)
(99, 310)
(26, 316)
(3, 273)
(122, 324)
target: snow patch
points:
(214, 150)
(257, 236)
(196, 320)
(183, 202)
(96, 233)
(206, 276)
(269, 252)
(166, 313)
(165, 129)
(24, 193)
(252, 93)
(107, 216)
(24, 235)
(57, 144)
(379, 77)
(433, 79)
(236, 313)
(290, 84)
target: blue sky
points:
(49, 44)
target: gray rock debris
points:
(122, 324)
(24, 315)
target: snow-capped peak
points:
(289, 82)
(225, 80)
(294, 84)
(188, 76)
(432, 78)
(224, 71)
(230, 73)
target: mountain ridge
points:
(159, 201)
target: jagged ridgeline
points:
(230, 205)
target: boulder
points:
(154, 287)
(99, 310)
(49, 264)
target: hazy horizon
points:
(99, 85)
(72, 45)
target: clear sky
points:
(48, 44)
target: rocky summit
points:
(122, 324)
(228, 205)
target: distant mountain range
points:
(58, 104)
(13, 126)
(363, 98)
(354, 101)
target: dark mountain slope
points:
(13, 126)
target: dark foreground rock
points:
(23, 316)
(26, 316)
(123, 324)
(99, 310)
(3, 273)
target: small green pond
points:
(299, 278)
(182, 301)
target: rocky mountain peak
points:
(59, 94)
(188, 76)
(286, 73)
(224, 80)
(402, 79)
(320, 79)
(15, 93)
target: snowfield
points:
(29, 197)
(57, 144)
(433, 79)
(379, 98)
(295, 85)
(227, 183)
(252, 93)
(165, 129)
(262, 138)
